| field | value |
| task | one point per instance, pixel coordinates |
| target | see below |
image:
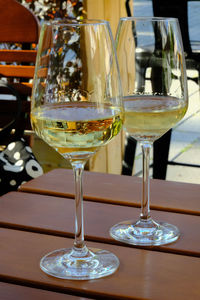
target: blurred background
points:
(185, 141)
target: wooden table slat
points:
(18, 292)
(122, 190)
(55, 215)
(145, 275)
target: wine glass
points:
(77, 108)
(153, 75)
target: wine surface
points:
(76, 128)
(149, 117)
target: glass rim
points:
(148, 18)
(76, 22)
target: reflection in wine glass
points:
(77, 108)
(152, 68)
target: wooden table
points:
(40, 218)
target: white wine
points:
(76, 128)
(149, 117)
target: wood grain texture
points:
(18, 55)
(55, 215)
(119, 189)
(33, 225)
(18, 292)
(17, 71)
(17, 23)
(142, 274)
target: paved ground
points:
(185, 145)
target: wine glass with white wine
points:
(153, 74)
(77, 108)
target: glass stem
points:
(145, 210)
(79, 225)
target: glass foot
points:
(145, 233)
(80, 265)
